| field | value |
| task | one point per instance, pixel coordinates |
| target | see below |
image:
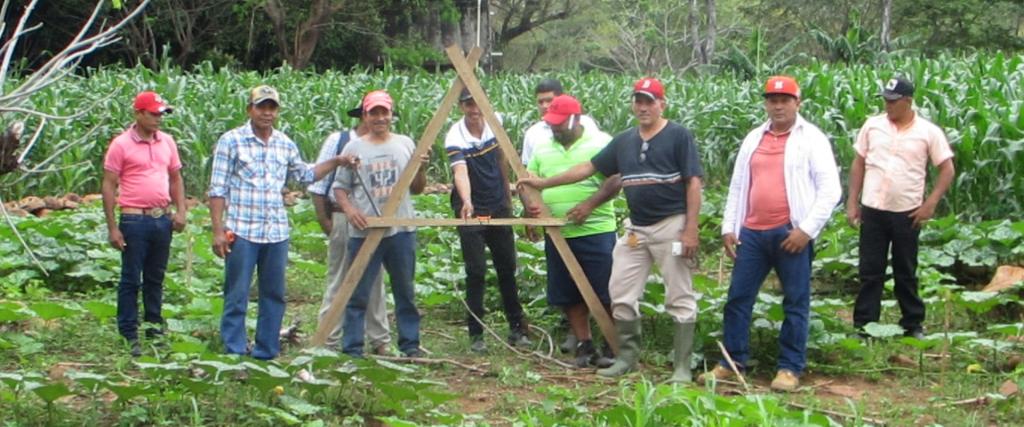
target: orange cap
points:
(784, 85)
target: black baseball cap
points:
(357, 113)
(896, 88)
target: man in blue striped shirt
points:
(481, 190)
(251, 165)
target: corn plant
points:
(976, 99)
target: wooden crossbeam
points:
(378, 222)
(464, 68)
(604, 322)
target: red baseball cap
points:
(561, 108)
(783, 85)
(650, 87)
(377, 98)
(151, 102)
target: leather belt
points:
(152, 212)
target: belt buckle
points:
(157, 212)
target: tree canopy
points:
(528, 35)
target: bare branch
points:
(14, 40)
(64, 61)
(32, 112)
(24, 244)
(32, 142)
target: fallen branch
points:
(430, 361)
(980, 400)
(440, 334)
(24, 244)
(588, 377)
(876, 421)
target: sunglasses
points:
(643, 151)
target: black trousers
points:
(501, 241)
(880, 230)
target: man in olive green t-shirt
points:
(591, 236)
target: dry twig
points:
(732, 365)
(876, 421)
(430, 361)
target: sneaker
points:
(569, 344)
(605, 359)
(478, 346)
(152, 333)
(517, 338)
(413, 354)
(916, 333)
(136, 350)
(719, 373)
(785, 380)
(584, 353)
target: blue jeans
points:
(143, 263)
(398, 255)
(269, 260)
(760, 252)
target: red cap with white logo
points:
(649, 87)
(151, 102)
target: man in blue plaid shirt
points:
(251, 165)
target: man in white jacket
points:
(765, 228)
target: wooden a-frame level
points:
(466, 78)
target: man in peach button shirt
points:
(766, 229)
(887, 202)
(142, 175)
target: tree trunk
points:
(299, 51)
(886, 25)
(473, 33)
(696, 54)
(711, 30)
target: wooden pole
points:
(373, 239)
(465, 71)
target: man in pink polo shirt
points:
(766, 229)
(142, 175)
(887, 202)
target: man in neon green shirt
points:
(591, 236)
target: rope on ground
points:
(551, 343)
(497, 337)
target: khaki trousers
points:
(635, 252)
(378, 331)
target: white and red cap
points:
(151, 102)
(649, 87)
(783, 85)
(561, 108)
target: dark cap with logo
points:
(896, 88)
